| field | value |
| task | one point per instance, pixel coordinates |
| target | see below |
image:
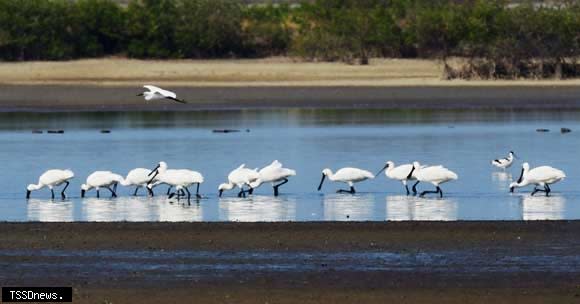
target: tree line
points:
(493, 38)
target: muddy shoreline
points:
(374, 262)
(83, 98)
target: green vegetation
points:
(495, 38)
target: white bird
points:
(139, 177)
(102, 179)
(181, 179)
(51, 179)
(402, 173)
(154, 93)
(273, 173)
(542, 176)
(347, 175)
(505, 162)
(240, 177)
(436, 175)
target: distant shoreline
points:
(111, 85)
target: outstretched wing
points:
(158, 90)
(177, 99)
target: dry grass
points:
(259, 72)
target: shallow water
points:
(305, 140)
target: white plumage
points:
(139, 177)
(350, 176)
(101, 179)
(154, 93)
(51, 179)
(504, 163)
(542, 176)
(273, 173)
(181, 179)
(402, 173)
(240, 177)
(435, 175)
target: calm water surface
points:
(305, 140)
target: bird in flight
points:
(154, 93)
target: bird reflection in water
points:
(412, 208)
(359, 207)
(542, 207)
(46, 210)
(257, 208)
(502, 180)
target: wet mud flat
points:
(454, 262)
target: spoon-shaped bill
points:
(321, 181)
(154, 170)
(411, 173)
(383, 169)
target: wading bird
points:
(435, 175)
(139, 177)
(155, 93)
(240, 177)
(273, 173)
(181, 179)
(350, 176)
(51, 179)
(505, 162)
(402, 173)
(102, 179)
(542, 176)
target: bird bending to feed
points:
(139, 177)
(240, 177)
(273, 173)
(51, 179)
(102, 179)
(349, 176)
(181, 179)
(159, 93)
(402, 173)
(542, 176)
(505, 162)
(436, 175)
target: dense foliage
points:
(496, 38)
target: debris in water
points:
(542, 130)
(55, 131)
(226, 131)
(37, 131)
(565, 130)
(105, 131)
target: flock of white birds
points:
(246, 179)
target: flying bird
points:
(155, 93)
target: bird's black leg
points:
(426, 192)
(188, 195)
(197, 192)
(536, 190)
(113, 194)
(407, 188)
(115, 187)
(136, 189)
(548, 190)
(150, 191)
(62, 195)
(278, 186)
(440, 192)
(250, 191)
(98, 194)
(52, 192)
(351, 191)
(414, 188)
(169, 190)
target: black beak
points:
(411, 173)
(154, 170)
(152, 178)
(521, 176)
(220, 193)
(82, 193)
(511, 189)
(27, 194)
(321, 181)
(383, 169)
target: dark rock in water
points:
(247, 130)
(55, 131)
(105, 131)
(37, 131)
(225, 131)
(542, 130)
(565, 130)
